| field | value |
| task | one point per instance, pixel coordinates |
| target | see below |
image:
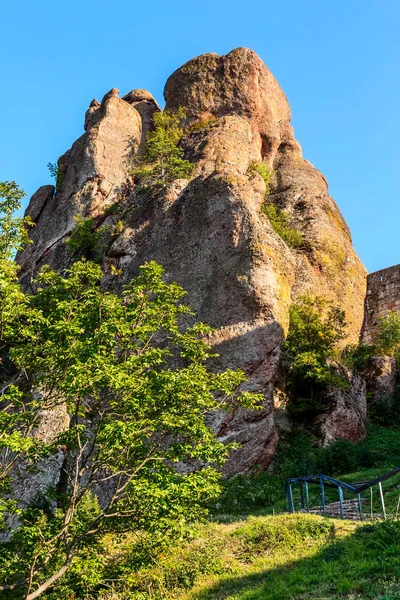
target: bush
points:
(280, 224)
(245, 493)
(89, 242)
(162, 161)
(84, 237)
(286, 532)
(264, 172)
(56, 174)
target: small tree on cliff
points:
(163, 161)
(316, 328)
(388, 337)
(136, 387)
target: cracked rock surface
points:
(209, 233)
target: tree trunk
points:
(45, 586)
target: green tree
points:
(136, 386)
(388, 336)
(14, 234)
(316, 328)
(163, 161)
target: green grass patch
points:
(280, 224)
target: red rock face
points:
(347, 412)
(209, 233)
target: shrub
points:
(89, 242)
(84, 237)
(316, 328)
(57, 174)
(286, 532)
(280, 224)
(163, 161)
(264, 172)
(245, 493)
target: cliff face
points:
(209, 232)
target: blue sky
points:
(337, 60)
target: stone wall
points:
(383, 297)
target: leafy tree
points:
(163, 161)
(316, 328)
(137, 388)
(57, 175)
(14, 234)
(388, 336)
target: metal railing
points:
(324, 481)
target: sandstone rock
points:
(381, 378)
(327, 265)
(92, 114)
(347, 413)
(94, 174)
(210, 234)
(238, 83)
(146, 106)
(38, 201)
(253, 124)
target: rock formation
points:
(209, 232)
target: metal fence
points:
(377, 498)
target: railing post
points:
(307, 496)
(382, 499)
(321, 483)
(301, 495)
(360, 506)
(340, 500)
(291, 504)
(372, 503)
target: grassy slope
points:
(271, 557)
(275, 557)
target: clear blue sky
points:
(337, 60)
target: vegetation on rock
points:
(57, 175)
(280, 224)
(277, 217)
(90, 242)
(162, 161)
(316, 328)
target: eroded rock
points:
(347, 411)
(210, 234)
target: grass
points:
(281, 557)
(353, 562)
(245, 552)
